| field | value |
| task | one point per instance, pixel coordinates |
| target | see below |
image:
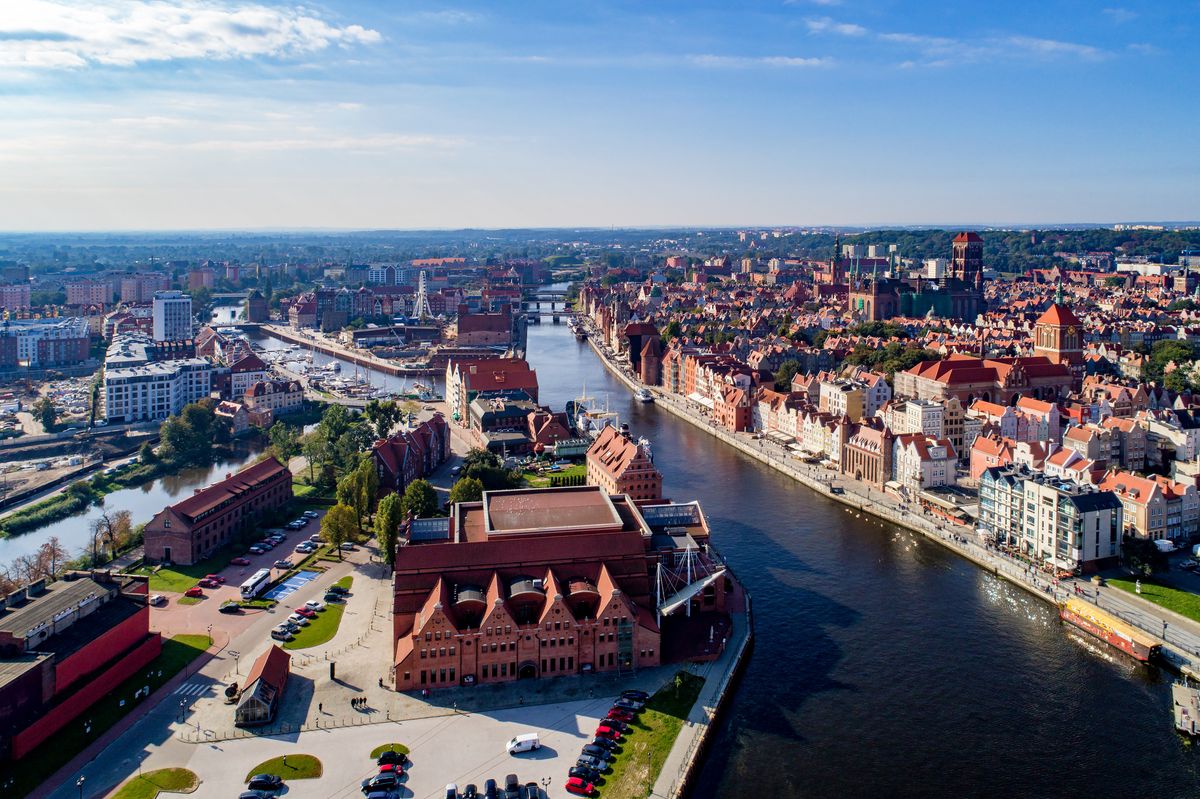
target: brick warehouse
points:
(191, 530)
(546, 582)
(65, 647)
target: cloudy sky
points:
(191, 114)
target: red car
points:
(620, 715)
(208, 582)
(391, 768)
(611, 733)
(216, 578)
(194, 591)
(239, 561)
(580, 786)
(305, 612)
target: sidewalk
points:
(1180, 636)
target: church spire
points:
(1058, 293)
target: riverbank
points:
(1181, 646)
(336, 351)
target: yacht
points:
(643, 395)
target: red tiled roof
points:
(247, 479)
(1058, 315)
(271, 667)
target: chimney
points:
(625, 431)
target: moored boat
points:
(644, 395)
(1109, 629)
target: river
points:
(142, 502)
(883, 665)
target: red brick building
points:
(411, 454)
(620, 465)
(65, 647)
(191, 530)
(545, 582)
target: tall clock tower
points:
(1058, 335)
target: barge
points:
(1109, 629)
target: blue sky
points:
(146, 114)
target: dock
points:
(1186, 706)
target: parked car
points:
(607, 731)
(230, 607)
(316, 606)
(207, 583)
(616, 724)
(330, 596)
(451, 791)
(629, 704)
(194, 591)
(598, 752)
(511, 783)
(620, 714)
(489, 790)
(605, 743)
(283, 564)
(584, 773)
(266, 545)
(281, 633)
(254, 549)
(593, 763)
(380, 782)
(311, 514)
(580, 787)
(470, 792)
(392, 768)
(640, 696)
(266, 782)
(315, 538)
(157, 599)
(215, 578)
(455, 470)
(531, 791)
(338, 589)
(302, 548)
(254, 795)
(391, 756)
(239, 561)
(347, 547)
(298, 620)
(523, 743)
(305, 612)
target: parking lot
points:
(459, 747)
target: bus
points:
(256, 583)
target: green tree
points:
(383, 416)
(467, 489)
(339, 525)
(146, 453)
(368, 483)
(478, 456)
(44, 411)
(388, 517)
(349, 493)
(1181, 353)
(1114, 282)
(285, 441)
(673, 330)
(784, 374)
(420, 499)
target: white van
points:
(523, 743)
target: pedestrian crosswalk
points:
(191, 689)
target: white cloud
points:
(52, 34)
(743, 62)
(1119, 15)
(941, 51)
(827, 25)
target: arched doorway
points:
(527, 671)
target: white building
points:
(42, 342)
(920, 462)
(156, 390)
(172, 316)
(916, 416)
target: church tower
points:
(1058, 335)
(967, 259)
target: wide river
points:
(883, 665)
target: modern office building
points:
(155, 390)
(172, 316)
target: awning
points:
(782, 438)
(700, 399)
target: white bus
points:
(256, 583)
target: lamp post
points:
(79, 785)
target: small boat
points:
(1186, 706)
(644, 395)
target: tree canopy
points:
(467, 489)
(420, 499)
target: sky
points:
(237, 114)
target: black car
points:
(470, 792)
(617, 725)
(604, 743)
(265, 782)
(596, 751)
(392, 757)
(511, 783)
(337, 589)
(230, 607)
(489, 790)
(254, 795)
(584, 773)
(381, 782)
(641, 696)
(632, 705)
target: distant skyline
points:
(231, 114)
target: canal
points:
(885, 666)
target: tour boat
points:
(1109, 629)
(644, 395)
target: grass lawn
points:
(379, 750)
(39, 764)
(1185, 603)
(543, 480)
(322, 628)
(180, 578)
(148, 785)
(299, 767)
(650, 739)
(190, 600)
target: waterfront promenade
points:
(1180, 635)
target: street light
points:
(79, 785)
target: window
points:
(422, 676)
(423, 653)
